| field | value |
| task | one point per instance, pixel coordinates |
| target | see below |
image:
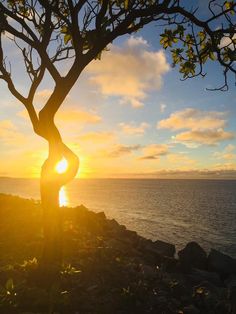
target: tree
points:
(49, 33)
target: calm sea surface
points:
(177, 211)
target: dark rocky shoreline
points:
(108, 268)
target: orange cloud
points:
(203, 127)
(193, 119)
(75, 115)
(208, 137)
(121, 150)
(180, 159)
(71, 115)
(9, 135)
(97, 137)
(129, 71)
(131, 129)
(227, 154)
(154, 151)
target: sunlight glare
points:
(63, 200)
(61, 166)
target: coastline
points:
(108, 268)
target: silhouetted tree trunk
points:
(50, 188)
(50, 185)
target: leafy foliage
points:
(198, 43)
(50, 32)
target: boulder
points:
(199, 275)
(152, 255)
(164, 248)
(101, 215)
(232, 299)
(161, 248)
(113, 226)
(192, 255)
(221, 263)
(230, 282)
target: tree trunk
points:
(52, 250)
(50, 185)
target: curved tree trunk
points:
(49, 188)
(50, 185)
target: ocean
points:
(176, 211)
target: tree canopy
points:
(49, 32)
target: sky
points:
(129, 116)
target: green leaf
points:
(176, 55)
(229, 5)
(212, 56)
(64, 29)
(168, 38)
(67, 38)
(126, 4)
(202, 35)
(187, 68)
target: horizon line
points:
(132, 178)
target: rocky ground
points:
(107, 268)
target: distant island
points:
(107, 268)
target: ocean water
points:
(177, 211)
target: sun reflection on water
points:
(63, 199)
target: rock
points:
(164, 248)
(193, 255)
(113, 225)
(198, 276)
(190, 309)
(149, 272)
(101, 215)
(232, 299)
(221, 263)
(221, 307)
(230, 282)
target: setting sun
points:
(61, 166)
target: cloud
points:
(129, 71)
(207, 137)
(154, 151)
(180, 159)
(75, 115)
(121, 150)
(9, 135)
(97, 137)
(70, 115)
(227, 153)
(227, 42)
(203, 127)
(229, 167)
(44, 93)
(131, 129)
(6, 125)
(193, 119)
(162, 107)
(230, 148)
(220, 173)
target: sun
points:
(61, 166)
